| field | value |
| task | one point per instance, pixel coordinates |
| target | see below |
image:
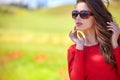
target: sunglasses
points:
(84, 14)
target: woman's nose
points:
(78, 17)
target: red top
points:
(89, 64)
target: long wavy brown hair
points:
(102, 16)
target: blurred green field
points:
(33, 43)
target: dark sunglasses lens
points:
(85, 14)
(74, 14)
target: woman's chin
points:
(78, 27)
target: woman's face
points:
(83, 24)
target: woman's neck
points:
(90, 37)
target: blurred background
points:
(34, 38)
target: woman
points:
(96, 56)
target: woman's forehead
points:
(81, 6)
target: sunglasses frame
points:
(84, 14)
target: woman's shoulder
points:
(71, 52)
(72, 47)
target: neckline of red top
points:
(95, 45)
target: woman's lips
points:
(78, 23)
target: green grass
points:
(33, 44)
